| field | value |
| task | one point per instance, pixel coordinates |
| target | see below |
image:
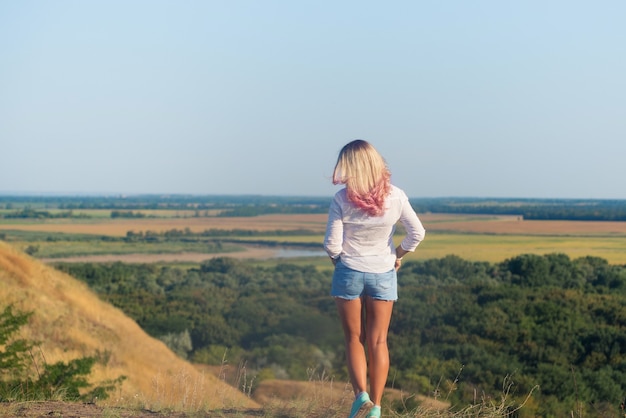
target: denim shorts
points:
(350, 284)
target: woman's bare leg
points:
(350, 312)
(378, 317)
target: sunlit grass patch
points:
(496, 248)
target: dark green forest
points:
(39, 207)
(537, 209)
(546, 321)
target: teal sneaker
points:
(360, 405)
(374, 412)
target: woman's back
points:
(365, 242)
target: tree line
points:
(29, 213)
(536, 209)
(542, 320)
(123, 206)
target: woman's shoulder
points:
(341, 195)
(397, 192)
(341, 192)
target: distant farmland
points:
(474, 237)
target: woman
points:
(359, 241)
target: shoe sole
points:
(365, 408)
(374, 416)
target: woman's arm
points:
(415, 232)
(333, 240)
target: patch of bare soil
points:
(83, 410)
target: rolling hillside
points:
(70, 322)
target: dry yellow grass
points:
(323, 393)
(71, 322)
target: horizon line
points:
(119, 195)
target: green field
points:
(495, 248)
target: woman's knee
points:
(355, 338)
(376, 342)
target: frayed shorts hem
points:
(351, 284)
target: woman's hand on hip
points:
(397, 264)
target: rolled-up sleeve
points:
(415, 231)
(333, 240)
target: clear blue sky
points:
(463, 98)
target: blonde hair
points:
(365, 174)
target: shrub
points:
(53, 381)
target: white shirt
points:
(365, 242)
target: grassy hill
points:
(70, 321)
